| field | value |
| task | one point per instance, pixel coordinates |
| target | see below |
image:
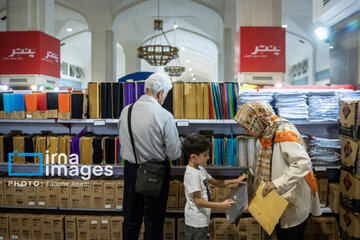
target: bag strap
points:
(130, 132)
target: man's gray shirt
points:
(154, 130)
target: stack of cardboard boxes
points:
(349, 212)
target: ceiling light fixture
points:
(156, 49)
(331, 47)
(175, 69)
(69, 29)
(321, 33)
(284, 26)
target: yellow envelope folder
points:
(268, 210)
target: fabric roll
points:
(168, 103)
(8, 144)
(225, 101)
(19, 105)
(94, 99)
(199, 101)
(205, 90)
(29, 148)
(211, 102)
(1, 102)
(40, 147)
(86, 150)
(215, 101)
(53, 148)
(42, 106)
(106, 100)
(77, 106)
(97, 156)
(140, 88)
(242, 151)
(230, 100)
(178, 100)
(220, 96)
(75, 142)
(251, 151)
(31, 105)
(64, 148)
(109, 150)
(235, 94)
(19, 147)
(118, 100)
(1, 148)
(64, 105)
(189, 103)
(8, 102)
(129, 92)
(52, 104)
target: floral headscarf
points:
(260, 118)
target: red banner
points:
(29, 52)
(260, 49)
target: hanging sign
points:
(260, 49)
(29, 52)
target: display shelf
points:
(38, 121)
(325, 210)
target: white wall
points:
(77, 51)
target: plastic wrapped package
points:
(291, 105)
(325, 151)
(242, 151)
(251, 151)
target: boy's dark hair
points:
(195, 143)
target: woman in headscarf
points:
(284, 165)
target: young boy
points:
(198, 197)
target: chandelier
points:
(174, 69)
(156, 49)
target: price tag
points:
(99, 122)
(183, 123)
(119, 207)
(93, 222)
(28, 115)
(42, 203)
(107, 206)
(104, 221)
(320, 168)
(31, 203)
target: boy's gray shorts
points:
(193, 233)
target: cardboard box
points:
(104, 227)
(221, 194)
(255, 229)
(37, 229)
(350, 190)
(41, 194)
(243, 228)
(349, 223)
(2, 197)
(169, 229)
(173, 196)
(109, 194)
(231, 232)
(82, 227)
(70, 227)
(19, 193)
(25, 222)
(19, 146)
(98, 194)
(30, 195)
(322, 183)
(64, 147)
(334, 197)
(181, 229)
(47, 227)
(75, 194)
(119, 194)
(40, 147)
(349, 154)
(347, 117)
(219, 228)
(116, 227)
(4, 227)
(182, 197)
(64, 193)
(308, 230)
(58, 227)
(14, 226)
(86, 190)
(324, 228)
(9, 192)
(53, 148)
(94, 227)
(52, 196)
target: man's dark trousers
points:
(136, 206)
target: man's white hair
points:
(158, 81)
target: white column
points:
(102, 56)
(259, 13)
(30, 15)
(132, 62)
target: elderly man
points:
(155, 138)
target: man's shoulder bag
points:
(150, 175)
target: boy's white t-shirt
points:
(195, 181)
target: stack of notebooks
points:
(204, 100)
